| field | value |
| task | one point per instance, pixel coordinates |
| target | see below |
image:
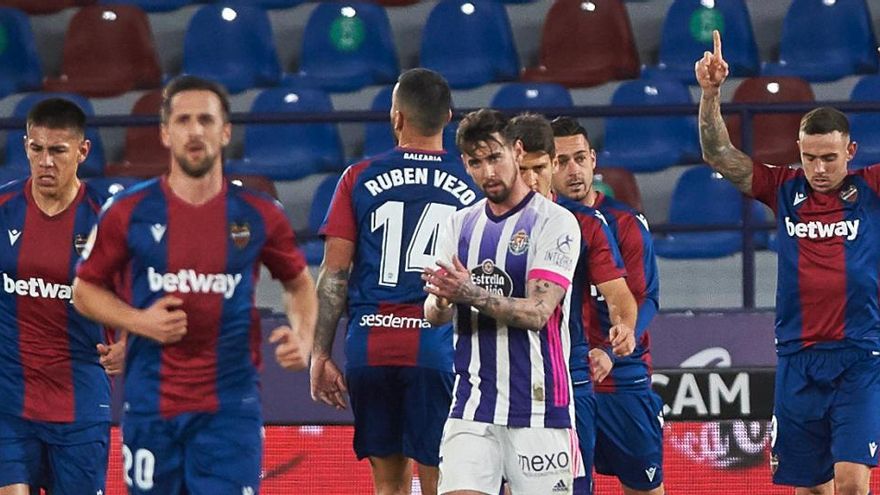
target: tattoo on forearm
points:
(531, 312)
(718, 151)
(332, 288)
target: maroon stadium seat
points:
(623, 183)
(586, 43)
(774, 135)
(144, 154)
(108, 50)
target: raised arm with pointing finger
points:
(711, 71)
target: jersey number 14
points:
(422, 244)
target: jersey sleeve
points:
(556, 250)
(871, 176)
(280, 253)
(341, 220)
(603, 256)
(766, 181)
(106, 252)
(637, 249)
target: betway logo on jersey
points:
(820, 230)
(36, 287)
(185, 281)
(393, 321)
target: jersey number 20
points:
(422, 243)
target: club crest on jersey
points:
(492, 278)
(79, 243)
(849, 193)
(519, 243)
(240, 234)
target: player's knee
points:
(850, 487)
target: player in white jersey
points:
(505, 267)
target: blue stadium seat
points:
(649, 144)
(846, 45)
(532, 95)
(19, 63)
(16, 159)
(313, 247)
(152, 5)
(113, 185)
(687, 33)
(470, 42)
(290, 151)
(347, 46)
(264, 4)
(702, 197)
(865, 126)
(232, 45)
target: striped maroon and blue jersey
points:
(632, 236)
(829, 255)
(49, 369)
(391, 207)
(209, 256)
(599, 262)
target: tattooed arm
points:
(327, 382)
(711, 71)
(453, 283)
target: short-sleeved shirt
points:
(209, 256)
(506, 375)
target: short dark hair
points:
(424, 96)
(535, 133)
(824, 120)
(57, 113)
(479, 126)
(567, 126)
(192, 83)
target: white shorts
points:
(476, 456)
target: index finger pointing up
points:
(716, 39)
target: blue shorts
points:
(629, 438)
(399, 410)
(193, 454)
(825, 411)
(64, 458)
(585, 425)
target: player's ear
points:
(227, 133)
(83, 150)
(164, 134)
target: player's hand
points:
(291, 352)
(600, 365)
(112, 357)
(163, 321)
(328, 384)
(711, 70)
(623, 339)
(450, 282)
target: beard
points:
(498, 196)
(198, 169)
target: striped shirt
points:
(506, 375)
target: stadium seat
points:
(256, 183)
(15, 154)
(312, 245)
(347, 46)
(864, 127)
(19, 63)
(290, 151)
(40, 7)
(532, 95)
(144, 155)
(649, 144)
(585, 44)
(846, 46)
(264, 4)
(232, 45)
(774, 135)
(395, 3)
(702, 197)
(470, 42)
(113, 185)
(623, 184)
(152, 5)
(378, 137)
(108, 50)
(687, 33)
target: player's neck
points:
(53, 204)
(517, 194)
(415, 141)
(196, 190)
(590, 198)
